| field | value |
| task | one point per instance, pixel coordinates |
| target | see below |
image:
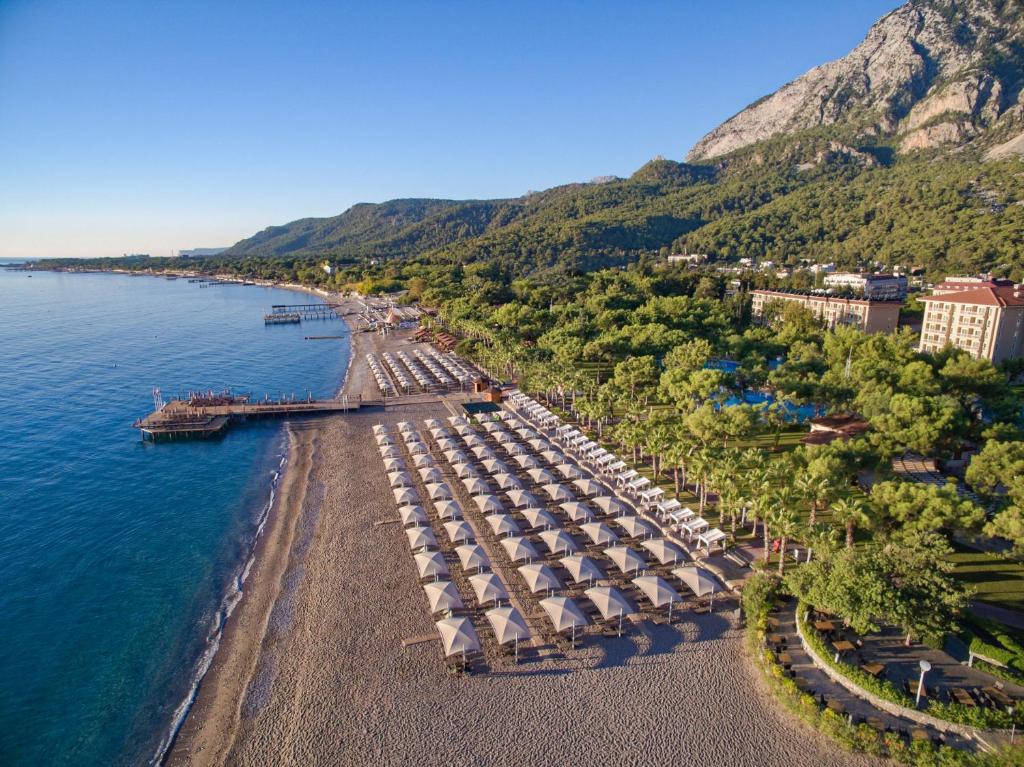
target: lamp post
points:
(925, 668)
(1013, 725)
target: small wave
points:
(216, 631)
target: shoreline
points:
(207, 732)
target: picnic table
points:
(824, 626)
(875, 723)
(919, 734)
(785, 659)
(802, 683)
(836, 705)
(911, 687)
(998, 696)
(775, 639)
(772, 623)
(962, 697)
(843, 646)
(875, 669)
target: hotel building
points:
(869, 315)
(983, 317)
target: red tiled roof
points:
(1001, 296)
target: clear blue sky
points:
(152, 126)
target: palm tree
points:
(813, 489)
(851, 514)
(785, 526)
(782, 502)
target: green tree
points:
(922, 507)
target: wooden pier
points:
(200, 418)
(308, 311)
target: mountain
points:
(929, 74)
(904, 152)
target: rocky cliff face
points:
(931, 73)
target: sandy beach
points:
(312, 669)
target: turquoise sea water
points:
(117, 557)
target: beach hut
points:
(448, 509)
(539, 577)
(472, 557)
(658, 591)
(431, 474)
(439, 491)
(666, 552)
(421, 538)
(610, 602)
(400, 479)
(577, 512)
(609, 505)
(443, 596)
(521, 499)
(459, 531)
(519, 549)
(634, 526)
(698, 580)
(488, 588)
(626, 559)
(541, 476)
(412, 515)
(502, 524)
(559, 542)
(508, 482)
(539, 518)
(488, 504)
(599, 533)
(405, 495)
(458, 637)
(431, 564)
(558, 493)
(476, 486)
(508, 626)
(564, 614)
(590, 487)
(582, 568)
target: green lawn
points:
(994, 578)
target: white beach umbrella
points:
(384, 439)
(599, 533)
(491, 426)
(380, 429)
(412, 515)
(503, 437)
(559, 542)
(539, 577)
(440, 432)
(394, 464)
(521, 498)
(404, 495)
(484, 453)
(534, 440)
(431, 564)
(473, 439)
(495, 466)
(432, 423)
(577, 512)
(564, 614)
(488, 588)
(421, 538)
(610, 602)
(554, 457)
(448, 509)
(463, 428)
(590, 487)
(416, 447)
(508, 482)
(527, 461)
(431, 474)
(626, 559)
(456, 420)
(658, 591)
(476, 486)
(557, 492)
(582, 568)
(459, 531)
(400, 479)
(405, 426)
(439, 491)
(447, 443)
(666, 552)
(698, 580)
(488, 504)
(390, 451)
(508, 626)
(634, 526)
(609, 505)
(456, 456)
(502, 524)
(458, 637)
(539, 518)
(541, 476)
(569, 471)
(472, 556)
(519, 549)
(443, 596)
(463, 470)
(423, 460)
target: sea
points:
(119, 559)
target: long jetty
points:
(189, 419)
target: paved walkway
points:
(816, 682)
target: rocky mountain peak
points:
(930, 73)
